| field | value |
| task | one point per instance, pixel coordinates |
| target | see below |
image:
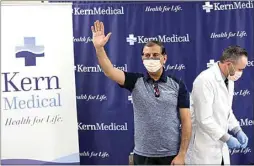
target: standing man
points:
(212, 97)
(162, 123)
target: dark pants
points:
(142, 160)
(222, 162)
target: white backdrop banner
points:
(38, 96)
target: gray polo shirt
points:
(157, 130)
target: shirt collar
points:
(163, 77)
(223, 77)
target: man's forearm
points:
(233, 124)
(234, 127)
(185, 139)
(104, 61)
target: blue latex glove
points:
(242, 138)
(233, 143)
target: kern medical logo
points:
(208, 7)
(17, 82)
(98, 11)
(250, 63)
(174, 38)
(246, 122)
(210, 63)
(103, 127)
(29, 51)
(96, 68)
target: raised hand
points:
(99, 38)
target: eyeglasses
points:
(156, 89)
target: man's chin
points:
(154, 73)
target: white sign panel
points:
(38, 97)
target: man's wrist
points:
(99, 49)
(225, 137)
(236, 130)
(181, 153)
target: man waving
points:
(162, 123)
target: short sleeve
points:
(183, 96)
(130, 80)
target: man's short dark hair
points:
(155, 42)
(233, 53)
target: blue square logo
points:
(29, 51)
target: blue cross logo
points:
(29, 51)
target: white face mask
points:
(236, 76)
(152, 65)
